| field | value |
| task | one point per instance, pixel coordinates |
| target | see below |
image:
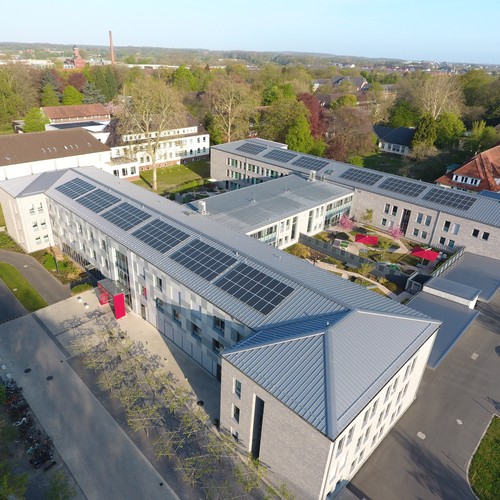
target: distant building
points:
(75, 62)
(358, 82)
(482, 173)
(76, 113)
(394, 140)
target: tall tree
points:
(92, 95)
(71, 96)
(449, 129)
(277, 119)
(345, 100)
(299, 136)
(439, 94)
(481, 138)
(426, 131)
(49, 96)
(35, 120)
(183, 79)
(403, 114)
(11, 103)
(232, 105)
(151, 108)
(315, 116)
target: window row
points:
(484, 236)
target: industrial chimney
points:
(111, 50)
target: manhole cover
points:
(50, 377)
(200, 403)
(27, 370)
(421, 435)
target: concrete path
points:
(41, 280)
(102, 458)
(453, 408)
(10, 307)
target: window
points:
(365, 417)
(428, 220)
(456, 228)
(38, 240)
(350, 434)
(361, 455)
(159, 283)
(420, 218)
(195, 331)
(216, 346)
(340, 446)
(176, 315)
(446, 226)
(103, 244)
(415, 232)
(374, 409)
(159, 304)
(394, 210)
(387, 208)
(219, 325)
(451, 243)
(237, 388)
(35, 226)
(367, 434)
(475, 233)
(384, 222)
(358, 444)
(236, 413)
(485, 236)
(442, 240)
(424, 235)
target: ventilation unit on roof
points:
(202, 207)
(312, 176)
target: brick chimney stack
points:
(111, 50)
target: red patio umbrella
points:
(366, 239)
(425, 254)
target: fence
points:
(379, 269)
(448, 263)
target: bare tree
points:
(150, 108)
(439, 94)
(232, 105)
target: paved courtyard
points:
(102, 458)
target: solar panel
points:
(308, 162)
(125, 216)
(280, 155)
(407, 188)
(362, 176)
(98, 200)
(450, 198)
(255, 288)
(75, 188)
(203, 259)
(253, 149)
(160, 235)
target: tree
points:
(345, 223)
(395, 233)
(35, 120)
(481, 138)
(77, 80)
(315, 116)
(49, 96)
(151, 108)
(403, 114)
(92, 95)
(71, 96)
(475, 85)
(183, 79)
(449, 130)
(232, 104)
(299, 136)
(345, 100)
(59, 487)
(426, 131)
(439, 94)
(365, 269)
(11, 103)
(277, 120)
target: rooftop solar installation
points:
(75, 188)
(125, 216)
(450, 198)
(407, 188)
(254, 288)
(280, 155)
(203, 259)
(311, 163)
(98, 200)
(362, 176)
(253, 149)
(160, 235)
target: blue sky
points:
(442, 30)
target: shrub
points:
(81, 288)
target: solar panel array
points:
(280, 155)
(254, 288)
(160, 235)
(402, 187)
(75, 188)
(98, 200)
(308, 162)
(450, 198)
(253, 149)
(126, 216)
(362, 176)
(203, 259)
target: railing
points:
(448, 263)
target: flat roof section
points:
(456, 319)
(478, 272)
(453, 288)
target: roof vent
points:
(202, 207)
(312, 176)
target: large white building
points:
(326, 357)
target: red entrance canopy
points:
(366, 239)
(425, 254)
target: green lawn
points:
(18, 285)
(175, 177)
(484, 471)
(2, 218)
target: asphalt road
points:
(453, 409)
(41, 280)
(10, 307)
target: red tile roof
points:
(484, 166)
(77, 112)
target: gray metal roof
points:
(315, 291)
(256, 206)
(328, 368)
(30, 184)
(456, 319)
(485, 210)
(453, 288)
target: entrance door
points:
(405, 219)
(143, 311)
